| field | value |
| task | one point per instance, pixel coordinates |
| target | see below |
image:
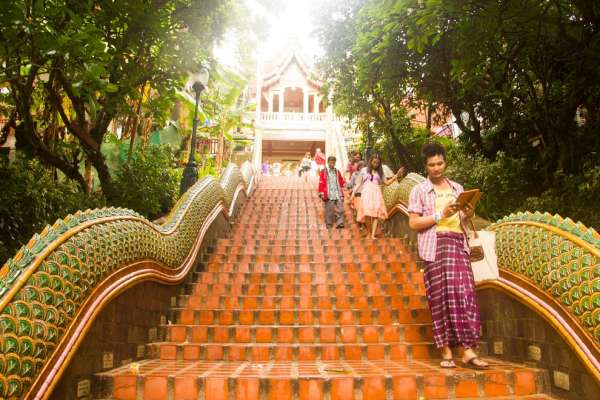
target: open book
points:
(470, 197)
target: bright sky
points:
(291, 23)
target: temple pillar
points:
(281, 102)
(305, 103)
(258, 89)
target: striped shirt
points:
(333, 187)
(421, 201)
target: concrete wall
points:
(524, 336)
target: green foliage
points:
(206, 166)
(149, 184)
(520, 78)
(31, 197)
(412, 139)
(368, 87)
(574, 196)
(504, 182)
(221, 106)
(76, 66)
(509, 185)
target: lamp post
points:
(369, 146)
(190, 173)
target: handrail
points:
(292, 116)
(52, 290)
(545, 257)
(558, 256)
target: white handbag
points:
(484, 262)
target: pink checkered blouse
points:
(422, 201)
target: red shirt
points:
(320, 160)
(351, 168)
(323, 183)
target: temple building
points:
(291, 116)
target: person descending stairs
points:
(286, 309)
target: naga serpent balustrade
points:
(55, 286)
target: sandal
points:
(472, 363)
(447, 363)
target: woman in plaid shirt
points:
(442, 241)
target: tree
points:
(513, 73)
(371, 91)
(74, 67)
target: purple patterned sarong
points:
(450, 292)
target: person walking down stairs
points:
(331, 183)
(305, 166)
(372, 207)
(443, 246)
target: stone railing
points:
(547, 262)
(292, 116)
(557, 256)
(55, 286)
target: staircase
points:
(285, 309)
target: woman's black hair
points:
(431, 150)
(379, 170)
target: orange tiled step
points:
(309, 289)
(303, 258)
(310, 278)
(290, 302)
(338, 267)
(324, 234)
(409, 333)
(307, 283)
(301, 316)
(333, 272)
(341, 245)
(358, 285)
(394, 254)
(391, 243)
(352, 254)
(309, 380)
(283, 351)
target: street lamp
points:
(199, 82)
(369, 146)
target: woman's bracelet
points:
(437, 217)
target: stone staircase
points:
(286, 309)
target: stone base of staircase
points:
(377, 379)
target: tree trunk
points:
(89, 176)
(402, 151)
(135, 124)
(428, 115)
(220, 152)
(27, 130)
(108, 188)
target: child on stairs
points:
(331, 183)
